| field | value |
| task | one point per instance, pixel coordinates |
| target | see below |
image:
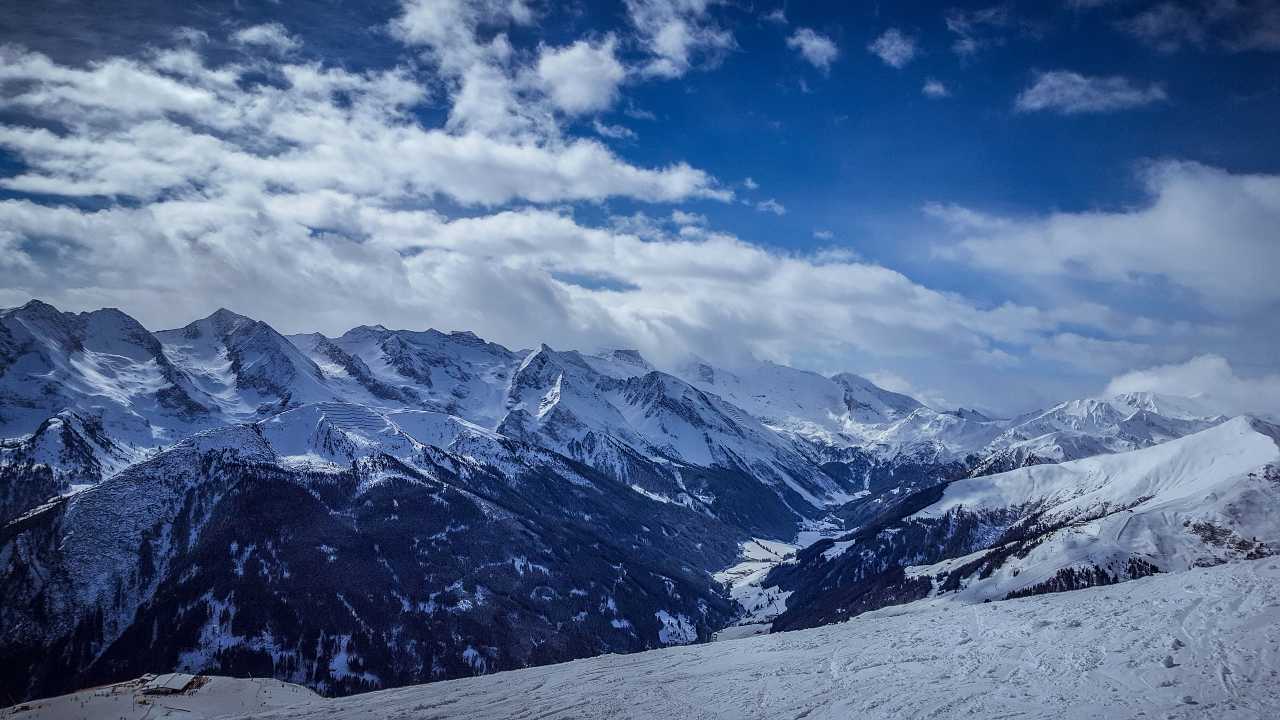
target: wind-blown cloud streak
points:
(1072, 94)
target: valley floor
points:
(1199, 644)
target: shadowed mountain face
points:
(389, 507)
(395, 568)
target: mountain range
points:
(388, 507)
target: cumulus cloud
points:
(894, 48)
(270, 35)
(473, 59)
(1210, 378)
(677, 34)
(582, 77)
(1072, 93)
(680, 217)
(1203, 229)
(132, 129)
(935, 89)
(817, 49)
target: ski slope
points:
(1198, 644)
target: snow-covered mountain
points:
(837, 410)
(494, 508)
(329, 546)
(244, 365)
(1203, 499)
(65, 454)
(101, 363)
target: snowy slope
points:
(1081, 428)
(562, 401)
(846, 410)
(1201, 644)
(244, 365)
(329, 534)
(207, 698)
(760, 604)
(101, 364)
(66, 454)
(1198, 500)
(836, 410)
(771, 421)
(456, 373)
(1203, 499)
(164, 480)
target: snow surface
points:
(776, 423)
(1199, 644)
(1200, 500)
(1189, 467)
(760, 604)
(210, 697)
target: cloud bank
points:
(1210, 377)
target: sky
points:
(991, 205)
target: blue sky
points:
(985, 204)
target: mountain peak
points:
(37, 305)
(224, 315)
(38, 312)
(626, 355)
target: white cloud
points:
(1167, 27)
(1097, 354)
(1204, 229)
(320, 185)
(894, 48)
(271, 35)
(977, 29)
(819, 50)
(487, 97)
(328, 184)
(935, 89)
(1233, 25)
(680, 217)
(1210, 377)
(614, 132)
(824, 234)
(772, 206)
(581, 78)
(449, 29)
(495, 274)
(130, 130)
(777, 15)
(1072, 93)
(678, 33)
